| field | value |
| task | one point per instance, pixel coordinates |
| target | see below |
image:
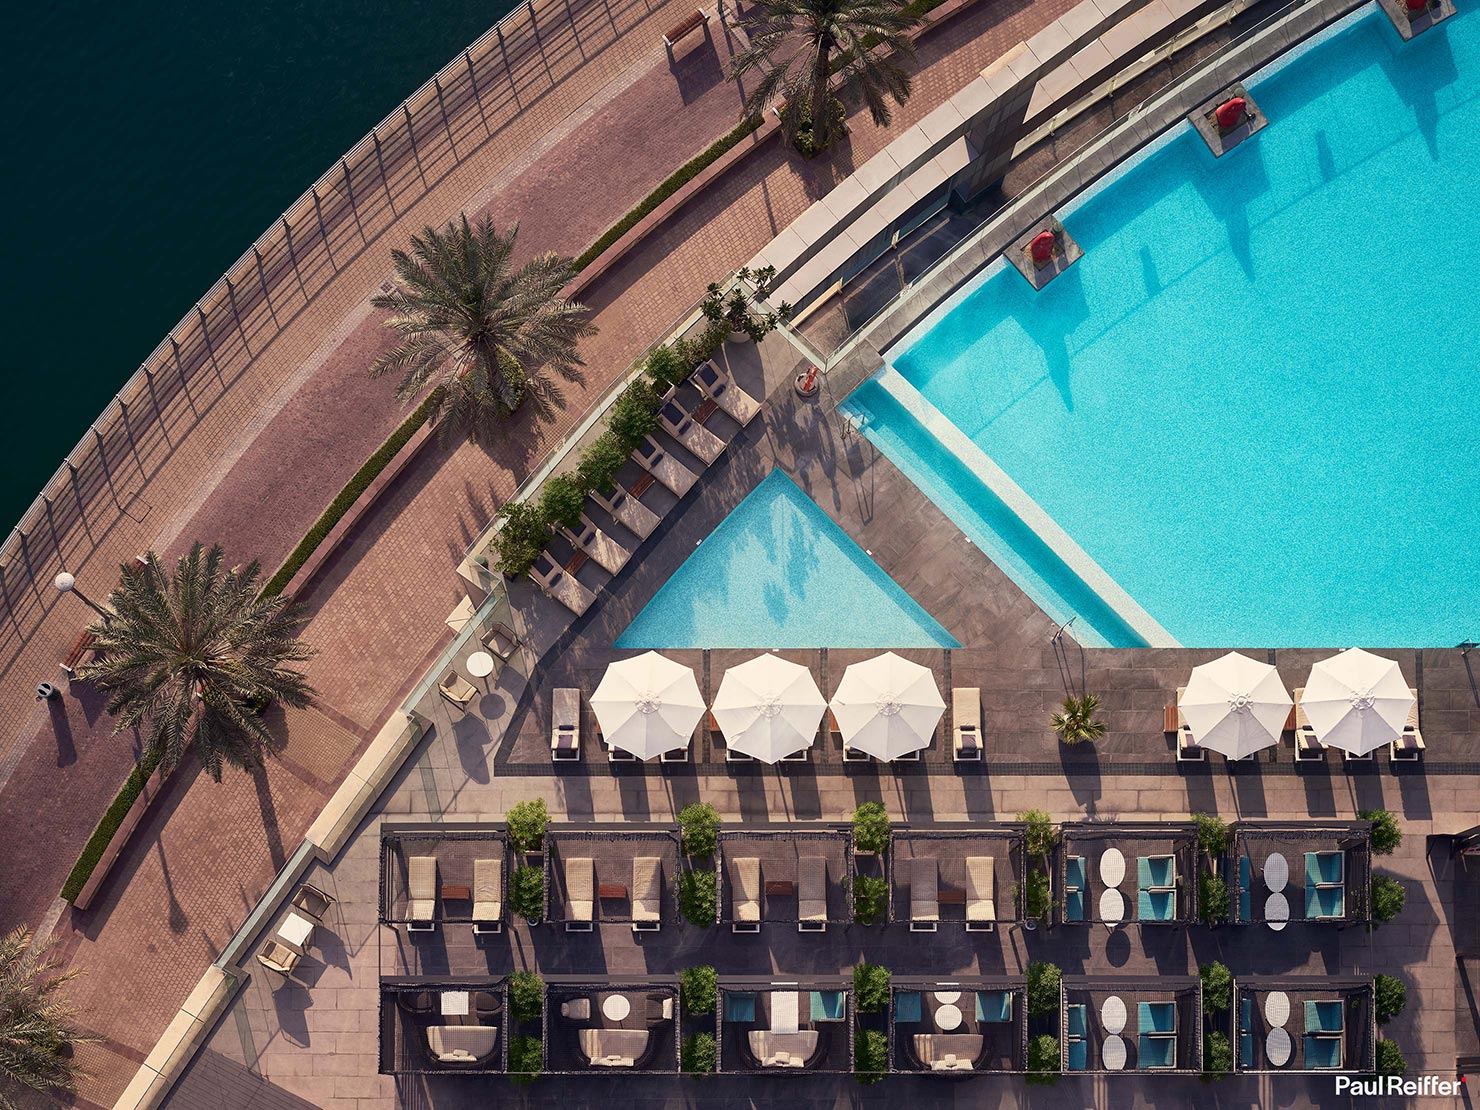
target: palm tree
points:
(797, 44)
(477, 329)
(36, 1030)
(1077, 723)
(192, 657)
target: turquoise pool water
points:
(1254, 404)
(779, 573)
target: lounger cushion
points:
(462, 1044)
(647, 886)
(924, 890)
(421, 885)
(580, 888)
(812, 888)
(488, 889)
(747, 898)
(981, 888)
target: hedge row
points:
(97, 844)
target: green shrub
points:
(526, 823)
(870, 828)
(1217, 1057)
(698, 825)
(870, 1056)
(1214, 899)
(521, 539)
(107, 828)
(1037, 896)
(1388, 897)
(870, 988)
(1387, 834)
(1390, 1058)
(1212, 834)
(526, 1060)
(1390, 997)
(1043, 1060)
(669, 365)
(526, 995)
(601, 461)
(1041, 834)
(806, 143)
(562, 501)
(1043, 988)
(1217, 986)
(698, 898)
(698, 989)
(870, 899)
(700, 1056)
(634, 414)
(527, 893)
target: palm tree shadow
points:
(269, 817)
(177, 919)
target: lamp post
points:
(66, 583)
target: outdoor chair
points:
(580, 894)
(1188, 749)
(1325, 885)
(1074, 889)
(458, 690)
(994, 1007)
(577, 1009)
(664, 467)
(746, 899)
(647, 894)
(277, 955)
(312, 901)
(1408, 747)
(1156, 882)
(613, 1048)
(421, 888)
(720, 388)
(1076, 1044)
(1307, 748)
(948, 1051)
(605, 552)
(557, 583)
(966, 713)
(488, 895)
(1156, 1045)
(812, 894)
(628, 511)
(981, 893)
(565, 725)
(468, 1045)
(906, 1007)
(924, 895)
(501, 641)
(782, 1050)
(697, 439)
(1325, 1034)
(659, 1009)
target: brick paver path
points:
(255, 470)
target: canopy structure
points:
(1356, 701)
(887, 706)
(648, 705)
(769, 708)
(1235, 705)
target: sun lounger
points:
(1325, 885)
(948, 1051)
(1156, 1045)
(697, 439)
(605, 552)
(1246, 1033)
(786, 1011)
(647, 894)
(488, 895)
(1325, 1034)
(720, 388)
(746, 900)
(1245, 889)
(613, 1048)
(1188, 749)
(981, 893)
(1408, 747)
(812, 894)
(1307, 747)
(1075, 1041)
(555, 582)
(1156, 888)
(458, 690)
(421, 886)
(782, 1050)
(924, 895)
(664, 467)
(580, 894)
(628, 511)
(277, 955)
(462, 1044)
(1074, 889)
(565, 725)
(966, 712)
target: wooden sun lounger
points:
(699, 440)
(664, 467)
(720, 388)
(606, 552)
(555, 582)
(628, 511)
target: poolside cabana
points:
(1306, 1023)
(1111, 1024)
(781, 1027)
(960, 1026)
(434, 875)
(797, 877)
(618, 1027)
(1118, 874)
(971, 877)
(1301, 871)
(443, 1026)
(599, 876)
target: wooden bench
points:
(79, 649)
(948, 896)
(693, 23)
(452, 893)
(642, 485)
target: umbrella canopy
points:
(648, 705)
(1235, 705)
(768, 708)
(1357, 701)
(887, 706)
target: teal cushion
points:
(1074, 906)
(739, 1007)
(907, 1006)
(1156, 905)
(1156, 1017)
(827, 1005)
(1078, 1056)
(1076, 1021)
(1156, 1052)
(994, 1006)
(1322, 1052)
(1074, 873)
(1324, 1017)
(1245, 912)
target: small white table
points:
(1112, 907)
(947, 997)
(1112, 1014)
(948, 1017)
(480, 664)
(1277, 911)
(455, 1003)
(616, 1007)
(1113, 1053)
(1277, 1008)
(296, 930)
(1277, 1047)
(1276, 872)
(1112, 867)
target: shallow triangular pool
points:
(779, 573)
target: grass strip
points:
(98, 843)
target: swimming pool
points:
(780, 573)
(1249, 414)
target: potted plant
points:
(871, 988)
(869, 895)
(526, 823)
(870, 829)
(735, 309)
(1039, 839)
(698, 826)
(1076, 723)
(1036, 893)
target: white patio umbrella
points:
(1357, 701)
(648, 705)
(1235, 705)
(887, 706)
(769, 708)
